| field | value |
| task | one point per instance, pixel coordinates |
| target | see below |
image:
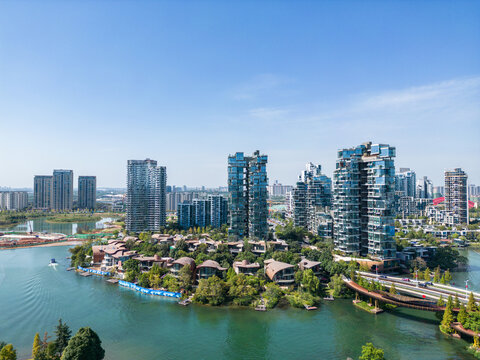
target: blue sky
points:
(87, 85)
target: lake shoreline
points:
(56, 243)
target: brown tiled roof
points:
(185, 261)
(211, 264)
(245, 264)
(273, 267)
(308, 264)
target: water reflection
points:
(41, 225)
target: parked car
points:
(429, 283)
(422, 284)
(383, 276)
(406, 279)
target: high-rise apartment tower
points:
(87, 192)
(146, 200)
(363, 201)
(247, 187)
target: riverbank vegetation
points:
(9, 218)
(74, 217)
(84, 345)
(370, 352)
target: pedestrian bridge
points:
(394, 299)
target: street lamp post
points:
(416, 276)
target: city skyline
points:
(95, 83)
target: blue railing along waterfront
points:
(149, 291)
(93, 271)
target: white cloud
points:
(433, 93)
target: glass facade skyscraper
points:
(364, 201)
(146, 195)
(218, 210)
(312, 193)
(247, 186)
(406, 182)
(211, 211)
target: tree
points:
(440, 301)
(426, 274)
(448, 318)
(211, 291)
(131, 265)
(462, 315)
(456, 302)
(418, 263)
(337, 285)
(185, 277)
(448, 276)
(84, 345)
(8, 353)
(242, 292)
(171, 283)
(144, 280)
(370, 352)
(392, 290)
(273, 293)
(310, 282)
(442, 280)
(37, 345)
(471, 306)
(436, 277)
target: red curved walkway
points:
(458, 327)
(355, 287)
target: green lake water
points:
(40, 225)
(33, 296)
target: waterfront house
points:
(258, 247)
(281, 273)
(244, 267)
(279, 245)
(99, 251)
(180, 263)
(163, 239)
(209, 268)
(306, 264)
(146, 262)
(235, 247)
(117, 257)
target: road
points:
(410, 288)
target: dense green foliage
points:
(80, 254)
(448, 317)
(7, 352)
(84, 345)
(212, 291)
(301, 298)
(370, 352)
(272, 295)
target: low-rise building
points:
(209, 268)
(279, 245)
(258, 247)
(281, 273)
(306, 264)
(178, 264)
(245, 267)
(146, 262)
(235, 247)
